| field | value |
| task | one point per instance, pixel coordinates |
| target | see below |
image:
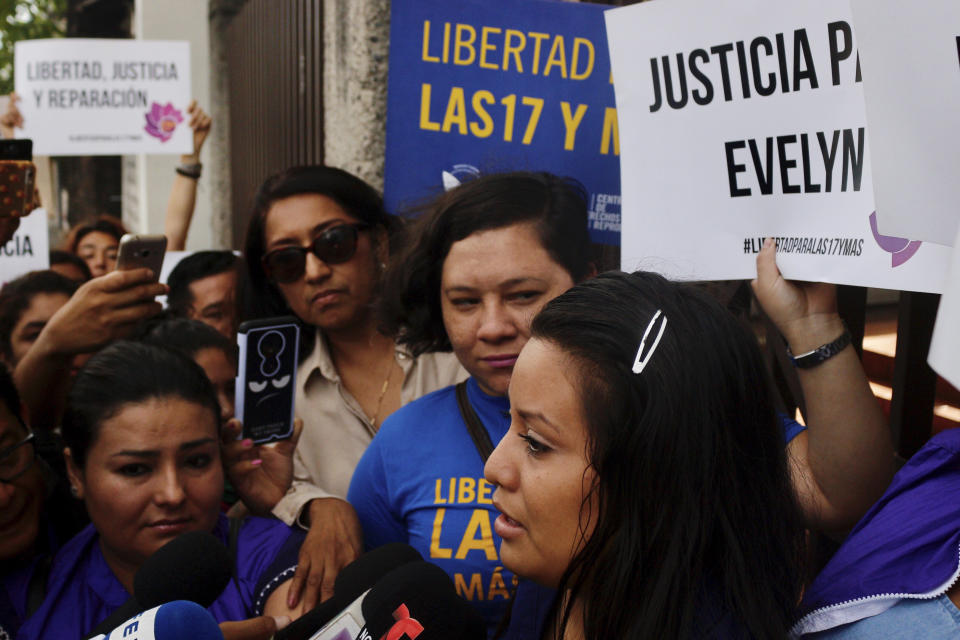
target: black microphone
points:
(194, 566)
(418, 600)
(352, 582)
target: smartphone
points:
(142, 251)
(266, 377)
(17, 178)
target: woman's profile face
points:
(329, 296)
(541, 468)
(492, 285)
(152, 473)
(99, 251)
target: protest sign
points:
(104, 97)
(481, 86)
(741, 119)
(28, 250)
(944, 355)
(910, 54)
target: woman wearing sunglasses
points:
(316, 246)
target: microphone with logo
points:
(353, 582)
(171, 621)
(194, 566)
(418, 602)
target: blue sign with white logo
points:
(484, 86)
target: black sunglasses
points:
(333, 246)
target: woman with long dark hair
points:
(480, 263)
(644, 474)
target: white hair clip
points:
(641, 361)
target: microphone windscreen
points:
(352, 581)
(194, 566)
(419, 599)
(365, 571)
(171, 621)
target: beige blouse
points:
(336, 432)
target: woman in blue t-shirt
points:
(143, 452)
(480, 264)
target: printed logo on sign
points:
(900, 248)
(459, 174)
(162, 121)
(604, 213)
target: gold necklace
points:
(383, 390)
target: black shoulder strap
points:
(477, 431)
(37, 589)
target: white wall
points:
(152, 176)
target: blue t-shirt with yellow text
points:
(421, 482)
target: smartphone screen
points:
(266, 377)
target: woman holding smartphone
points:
(317, 244)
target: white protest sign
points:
(170, 260)
(944, 354)
(104, 97)
(740, 119)
(28, 250)
(910, 54)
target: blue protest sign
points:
(480, 86)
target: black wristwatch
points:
(822, 353)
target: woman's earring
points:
(74, 491)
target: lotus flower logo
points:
(900, 248)
(162, 121)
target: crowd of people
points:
(585, 454)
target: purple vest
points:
(906, 546)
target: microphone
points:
(194, 566)
(418, 601)
(353, 581)
(171, 621)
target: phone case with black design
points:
(266, 377)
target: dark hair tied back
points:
(128, 373)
